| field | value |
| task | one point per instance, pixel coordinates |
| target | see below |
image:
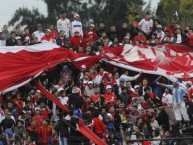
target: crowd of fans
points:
(116, 104)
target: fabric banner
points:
(171, 61)
(20, 64)
(83, 129)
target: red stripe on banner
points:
(83, 128)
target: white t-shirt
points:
(179, 38)
(146, 25)
(63, 100)
(76, 26)
(64, 24)
(38, 34)
(167, 98)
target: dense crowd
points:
(116, 104)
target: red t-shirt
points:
(98, 126)
(38, 120)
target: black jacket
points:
(11, 42)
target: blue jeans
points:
(63, 141)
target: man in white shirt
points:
(76, 25)
(146, 24)
(63, 98)
(90, 88)
(64, 24)
(39, 33)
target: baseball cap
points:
(108, 87)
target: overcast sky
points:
(8, 7)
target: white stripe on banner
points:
(31, 48)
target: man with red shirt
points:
(53, 32)
(140, 38)
(38, 117)
(110, 97)
(44, 132)
(77, 41)
(18, 102)
(171, 29)
(96, 98)
(33, 131)
(47, 37)
(98, 125)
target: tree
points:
(28, 18)
(110, 11)
(54, 8)
(186, 13)
(134, 10)
(167, 9)
(181, 12)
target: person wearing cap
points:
(82, 72)
(121, 85)
(11, 41)
(179, 106)
(90, 38)
(160, 33)
(76, 25)
(47, 37)
(90, 88)
(88, 32)
(109, 96)
(63, 24)
(38, 117)
(39, 33)
(146, 24)
(19, 41)
(77, 40)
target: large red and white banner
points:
(171, 61)
(20, 64)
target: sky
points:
(8, 7)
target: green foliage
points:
(109, 11)
(134, 10)
(167, 9)
(28, 18)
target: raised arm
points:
(161, 84)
